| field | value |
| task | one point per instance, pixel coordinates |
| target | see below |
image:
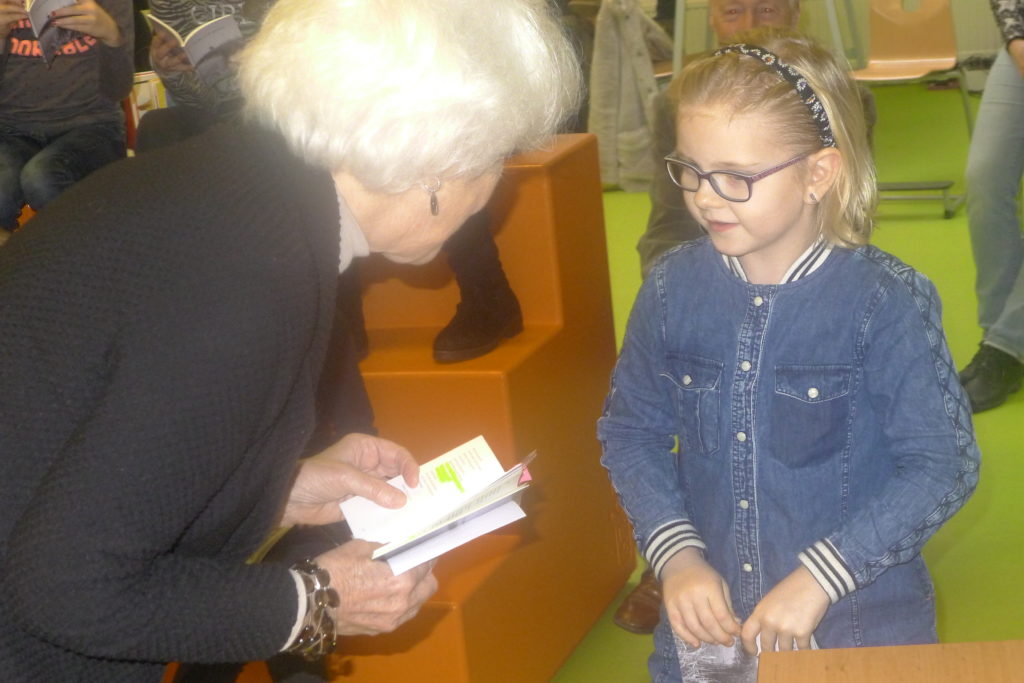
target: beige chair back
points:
(906, 45)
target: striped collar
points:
(806, 263)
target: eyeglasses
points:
(730, 185)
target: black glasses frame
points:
(673, 164)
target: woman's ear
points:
(824, 168)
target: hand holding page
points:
(462, 494)
(208, 46)
(51, 37)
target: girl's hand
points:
(85, 16)
(787, 616)
(1016, 49)
(11, 12)
(357, 465)
(697, 600)
(166, 55)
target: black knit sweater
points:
(162, 328)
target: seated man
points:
(60, 113)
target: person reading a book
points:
(823, 436)
(60, 107)
(164, 324)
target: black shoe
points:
(990, 378)
(479, 326)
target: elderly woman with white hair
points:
(163, 326)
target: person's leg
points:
(489, 310)
(995, 165)
(15, 151)
(68, 158)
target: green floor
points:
(976, 558)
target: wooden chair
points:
(911, 45)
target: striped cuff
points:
(669, 539)
(827, 566)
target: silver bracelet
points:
(317, 636)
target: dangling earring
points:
(432, 189)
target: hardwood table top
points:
(983, 662)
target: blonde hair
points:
(748, 86)
(398, 92)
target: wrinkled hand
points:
(165, 54)
(85, 16)
(697, 600)
(787, 616)
(11, 12)
(373, 600)
(357, 465)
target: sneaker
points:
(478, 327)
(990, 378)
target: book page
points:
(462, 532)
(39, 12)
(158, 24)
(445, 483)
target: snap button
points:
(741, 436)
(812, 392)
(747, 567)
(744, 504)
(687, 380)
(758, 301)
(745, 365)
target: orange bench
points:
(511, 606)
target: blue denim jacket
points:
(819, 422)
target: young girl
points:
(823, 435)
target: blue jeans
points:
(36, 167)
(995, 165)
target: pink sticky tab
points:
(525, 477)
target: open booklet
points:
(208, 46)
(51, 37)
(462, 494)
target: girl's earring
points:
(813, 197)
(432, 190)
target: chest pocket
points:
(698, 387)
(810, 412)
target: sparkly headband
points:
(793, 77)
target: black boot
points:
(489, 310)
(990, 378)
(479, 325)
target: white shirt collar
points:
(352, 241)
